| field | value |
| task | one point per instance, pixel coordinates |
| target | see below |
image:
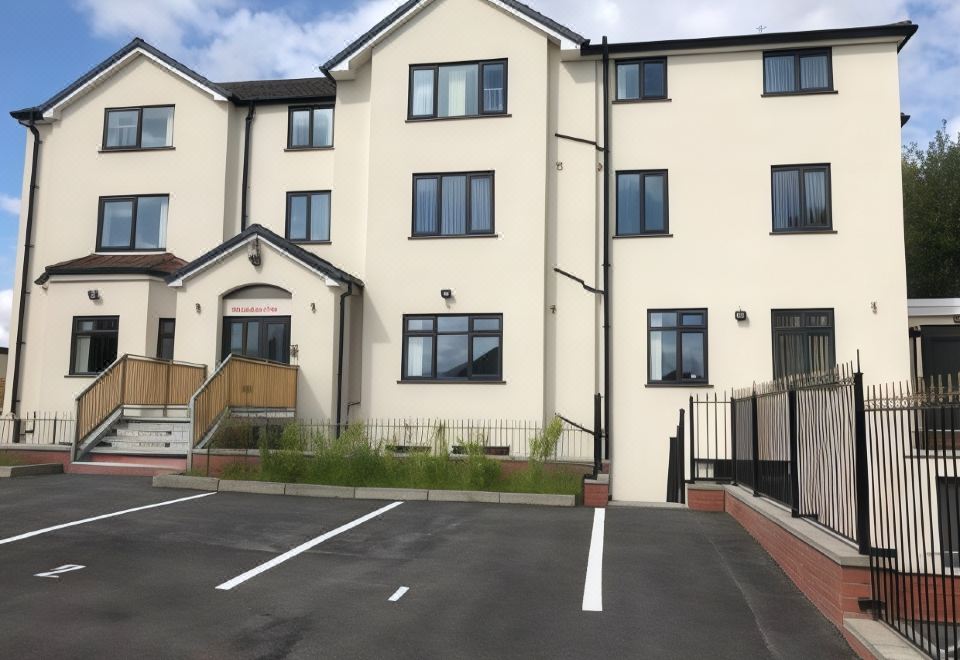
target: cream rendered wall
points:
(722, 256)
(73, 174)
(139, 302)
(488, 275)
(315, 333)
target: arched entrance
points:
(256, 323)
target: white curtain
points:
(458, 90)
(300, 128)
(813, 72)
(320, 217)
(453, 219)
(419, 356)
(122, 128)
(481, 204)
(425, 213)
(323, 127)
(656, 356)
(628, 204)
(298, 218)
(815, 196)
(786, 199)
(628, 81)
(422, 101)
(779, 74)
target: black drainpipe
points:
(607, 295)
(251, 111)
(24, 274)
(343, 306)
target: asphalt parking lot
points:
(482, 581)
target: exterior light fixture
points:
(740, 315)
(253, 252)
(93, 294)
(197, 307)
(446, 294)
(313, 307)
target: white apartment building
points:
(396, 227)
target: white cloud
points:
(6, 303)
(9, 204)
(233, 40)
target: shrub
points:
(544, 445)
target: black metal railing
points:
(676, 488)
(38, 428)
(914, 489)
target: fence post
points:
(597, 438)
(794, 453)
(733, 439)
(755, 441)
(860, 465)
(681, 464)
(693, 465)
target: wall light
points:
(740, 315)
(446, 294)
(197, 307)
(93, 294)
(313, 307)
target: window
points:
(310, 128)
(797, 71)
(138, 128)
(165, 334)
(677, 346)
(93, 343)
(132, 223)
(642, 203)
(445, 347)
(308, 217)
(641, 80)
(453, 204)
(469, 89)
(263, 338)
(802, 341)
(801, 198)
(948, 510)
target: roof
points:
(413, 5)
(153, 264)
(136, 45)
(305, 257)
(903, 29)
(296, 89)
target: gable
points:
(342, 64)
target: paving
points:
(484, 581)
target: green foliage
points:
(931, 210)
(301, 456)
(543, 447)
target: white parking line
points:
(46, 530)
(290, 554)
(593, 585)
(398, 594)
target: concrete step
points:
(127, 458)
(110, 453)
(137, 431)
(121, 469)
(135, 445)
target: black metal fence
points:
(792, 440)
(915, 511)
(38, 428)
(676, 491)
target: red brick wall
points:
(832, 588)
(33, 457)
(705, 500)
(596, 495)
(927, 597)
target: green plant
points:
(544, 445)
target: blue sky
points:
(46, 44)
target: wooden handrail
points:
(135, 380)
(246, 382)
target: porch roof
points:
(281, 244)
(154, 264)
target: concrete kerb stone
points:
(463, 496)
(538, 499)
(880, 640)
(365, 493)
(258, 487)
(313, 490)
(186, 481)
(360, 493)
(14, 471)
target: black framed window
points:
(308, 216)
(454, 204)
(677, 346)
(797, 71)
(93, 343)
(132, 223)
(639, 80)
(453, 347)
(463, 89)
(642, 202)
(310, 127)
(263, 338)
(166, 329)
(803, 341)
(801, 198)
(148, 127)
(948, 515)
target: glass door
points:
(263, 338)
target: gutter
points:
(607, 298)
(27, 246)
(244, 215)
(343, 305)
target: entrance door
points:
(940, 347)
(264, 338)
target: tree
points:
(931, 216)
